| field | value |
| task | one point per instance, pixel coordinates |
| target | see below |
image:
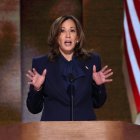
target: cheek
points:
(76, 37)
(59, 40)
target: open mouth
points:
(68, 43)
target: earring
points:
(77, 41)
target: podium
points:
(71, 130)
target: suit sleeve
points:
(98, 91)
(35, 98)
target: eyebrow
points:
(70, 27)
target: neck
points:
(68, 56)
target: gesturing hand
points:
(101, 76)
(35, 78)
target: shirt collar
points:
(73, 67)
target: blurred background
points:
(24, 27)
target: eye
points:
(73, 30)
(62, 30)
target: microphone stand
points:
(72, 107)
(71, 80)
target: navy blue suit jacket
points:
(53, 98)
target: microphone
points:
(71, 78)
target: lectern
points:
(73, 130)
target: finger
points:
(30, 77)
(104, 68)
(34, 70)
(31, 73)
(94, 68)
(109, 74)
(108, 80)
(30, 83)
(44, 72)
(107, 71)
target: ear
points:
(77, 39)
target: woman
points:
(68, 83)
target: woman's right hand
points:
(36, 79)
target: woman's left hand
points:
(102, 76)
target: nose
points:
(68, 34)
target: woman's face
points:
(67, 38)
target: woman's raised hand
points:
(35, 78)
(102, 76)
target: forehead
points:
(68, 24)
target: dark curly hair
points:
(54, 34)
